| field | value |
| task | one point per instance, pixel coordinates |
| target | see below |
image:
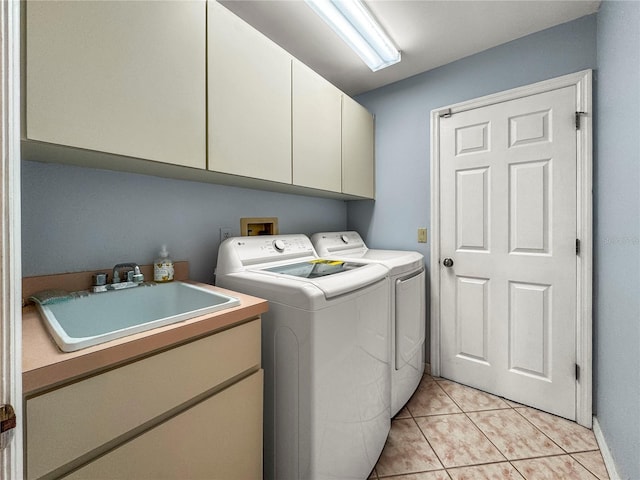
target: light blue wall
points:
(80, 219)
(617, 228)
(402, 122)
(610, 43)
(402, 112)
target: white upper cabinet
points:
(249, 98)
(358, 166)
(317, 131)
(126, 78)
(186, 84)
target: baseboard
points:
(604, 450)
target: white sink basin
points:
(81, 322)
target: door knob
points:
(448, 262)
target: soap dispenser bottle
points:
(163, 267)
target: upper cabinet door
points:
(358, 165)
(121, 77)
(249, 96)
(317, 131)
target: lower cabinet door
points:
(218, 438)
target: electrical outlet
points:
(422, 235)
(225, 232)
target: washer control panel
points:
(279, 245)
(269, 248)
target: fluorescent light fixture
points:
(351, 20)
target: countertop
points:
(44, 366)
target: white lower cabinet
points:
(218, 438)
(192, 411)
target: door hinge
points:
(7, 418)
(7, 423)
(577, 246)
(577, 372)
(578, 115)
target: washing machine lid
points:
(315, 268)
(291, 262)
(332, 277)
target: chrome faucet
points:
(134, 277)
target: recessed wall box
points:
(259, 226)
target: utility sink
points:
(83, 321)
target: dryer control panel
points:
(338, 243)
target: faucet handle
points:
(137, 276)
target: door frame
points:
(583, 82)
(11, 458)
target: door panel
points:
(472, 187)
(472, 318)
(529, 202)
(529, 317)
(508, 221)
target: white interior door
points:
(508, 224)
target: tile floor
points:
(448, 431)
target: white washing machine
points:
(325, 353)
(407, 300)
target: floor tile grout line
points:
(540, 430)
(541, 456)
(551, 456)
(472, 388)
(425, 436)
(484, 464)
(473, 423)
(506, 460)
(518, 470)
(526, 458)
(396, 475)
(429, 443)
(559, 418)
(486, 436)
(589, 469)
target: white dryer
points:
(326, 355)
(407, 300)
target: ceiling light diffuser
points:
(351, 20)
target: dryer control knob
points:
(279, 245)
(344, 238)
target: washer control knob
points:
(278, 245)
(344, 238)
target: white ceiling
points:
(429, 33)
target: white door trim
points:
(11, 458)
(583, 83)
